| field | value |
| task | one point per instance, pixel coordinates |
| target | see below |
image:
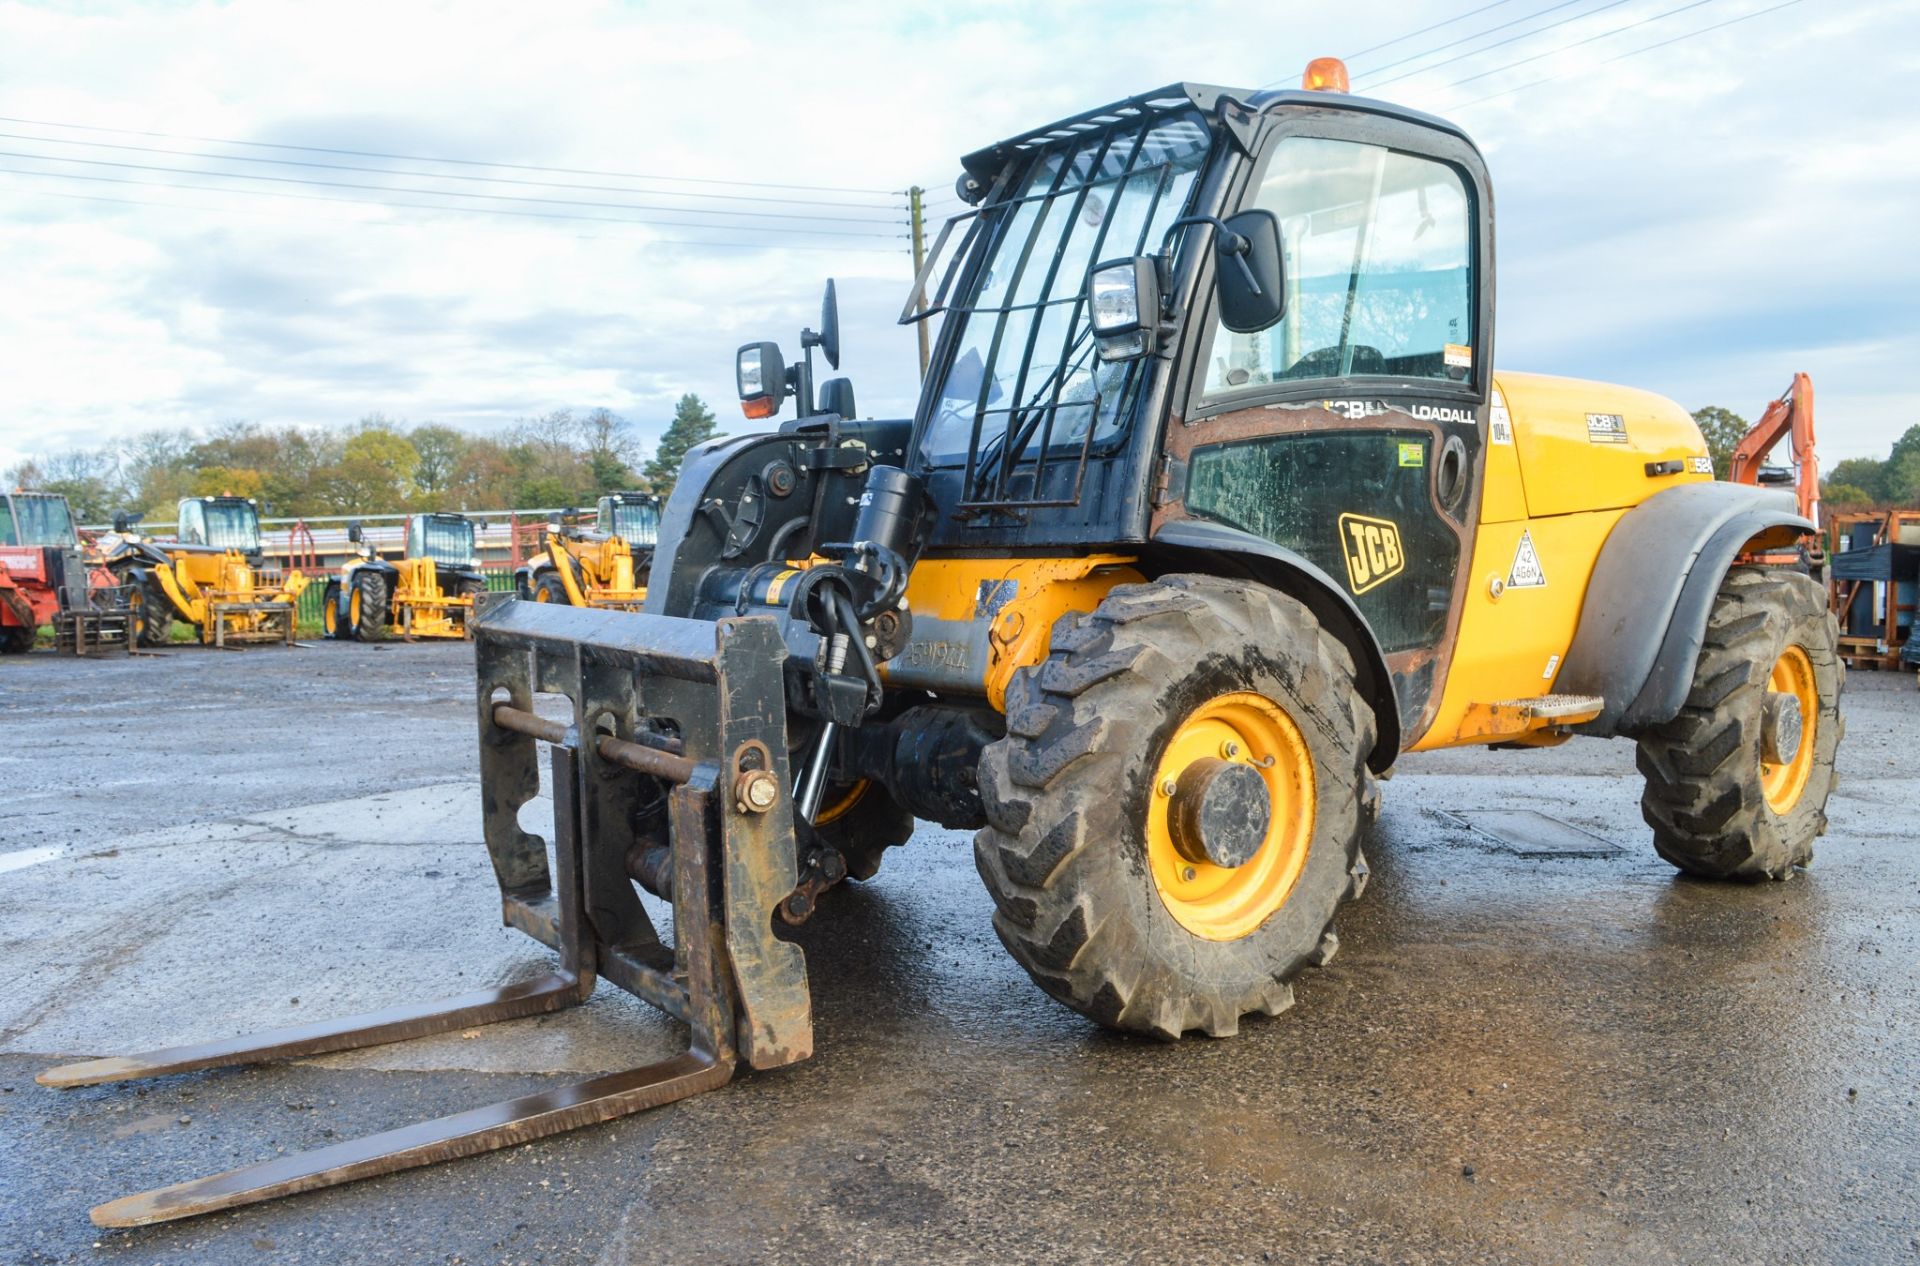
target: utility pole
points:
(919, 263)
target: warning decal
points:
(1499, 422)
(1526, 572)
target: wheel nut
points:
(1168, 787)
(756, 791)
(1229, 749)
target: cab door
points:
(1352, 432)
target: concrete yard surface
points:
(1536, 1044)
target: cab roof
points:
(1236, 108)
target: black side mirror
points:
(125, 520)
(354, 532)
(1249, 272)
(836, 397)
(830, 329)
(761, 376)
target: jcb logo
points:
(1372, 549)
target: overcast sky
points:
(1701, 219)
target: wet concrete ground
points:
(1565, 1057)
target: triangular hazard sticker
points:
(1526, 573)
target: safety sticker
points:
(1553, 662)
(1525, 572)
(1413, 454)
(1700, 465)
(1606, 428)
(778, 585)
(1372, 549)
(1499, 424)
(1458, 356)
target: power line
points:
(1511, 39)
(388, 224)
(1468, 39)
(430, 175)
(462, 162)
(455, 193)
(1398, 39)
(1693, 4)
(1758, 13)
(439, 207)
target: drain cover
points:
(1530, 833)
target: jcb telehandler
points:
(1213, 505)
(209, 576)
(605, 566)
(429, 593)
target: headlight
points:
(1123, 306)
(762, 378)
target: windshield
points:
(1379, 270)
(36, 520)
(446, 540)
(222, 524)
(1022, 364)
(636, 523)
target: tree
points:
(1903, 475)
(1723, 429)
(611, 450)
(1863, 474)
(692, 424)
(1837, 496)
(439, 449)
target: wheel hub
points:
(1781, 729)
(1220, 812)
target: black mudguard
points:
(1648, 598)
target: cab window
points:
(1379, 270)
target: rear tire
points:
(1074, 856)
(1718, 809)
(16, 639)
(370, 606)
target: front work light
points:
(762, 378)
(1123, 305)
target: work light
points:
(762, 378)
(1123, 305)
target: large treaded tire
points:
(548, 587)
(1064, 854)
(152, 609)
(371, 587)
(16, 639)
(1703, 794)
(331, 625)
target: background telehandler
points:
(1214, 504)
(429, 593)
(209, 576)
(605, 566)
(43, 570)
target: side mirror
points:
(1249, 272)
(830, 328)
(836, 397)
(354, 532)
(1123, 304)
(125, 520)
(761, 377)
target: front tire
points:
(330, 610)
(16, 639)
(547, 587)
(367, 609)
(152, 610)
(1723, 796)
(1099, 896)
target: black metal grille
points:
(1017, 420)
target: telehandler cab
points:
(1213, 505)
(430, 592)
(209, 576)
(605, 566)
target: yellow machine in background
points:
(605, 566)
(429, 593)
(210, 576)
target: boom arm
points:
(1791, 414)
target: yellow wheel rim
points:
(540, 593)
(844, 805)
(1222, 903)
(353, 608)
(1783, 784)
(330, 617)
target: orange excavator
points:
(1790, 418)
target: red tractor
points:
(39, 558)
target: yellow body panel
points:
(1559, 479)
(606, 566)
(1574, 455)
(420, 609)
(1022, 596)
(204, 588)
